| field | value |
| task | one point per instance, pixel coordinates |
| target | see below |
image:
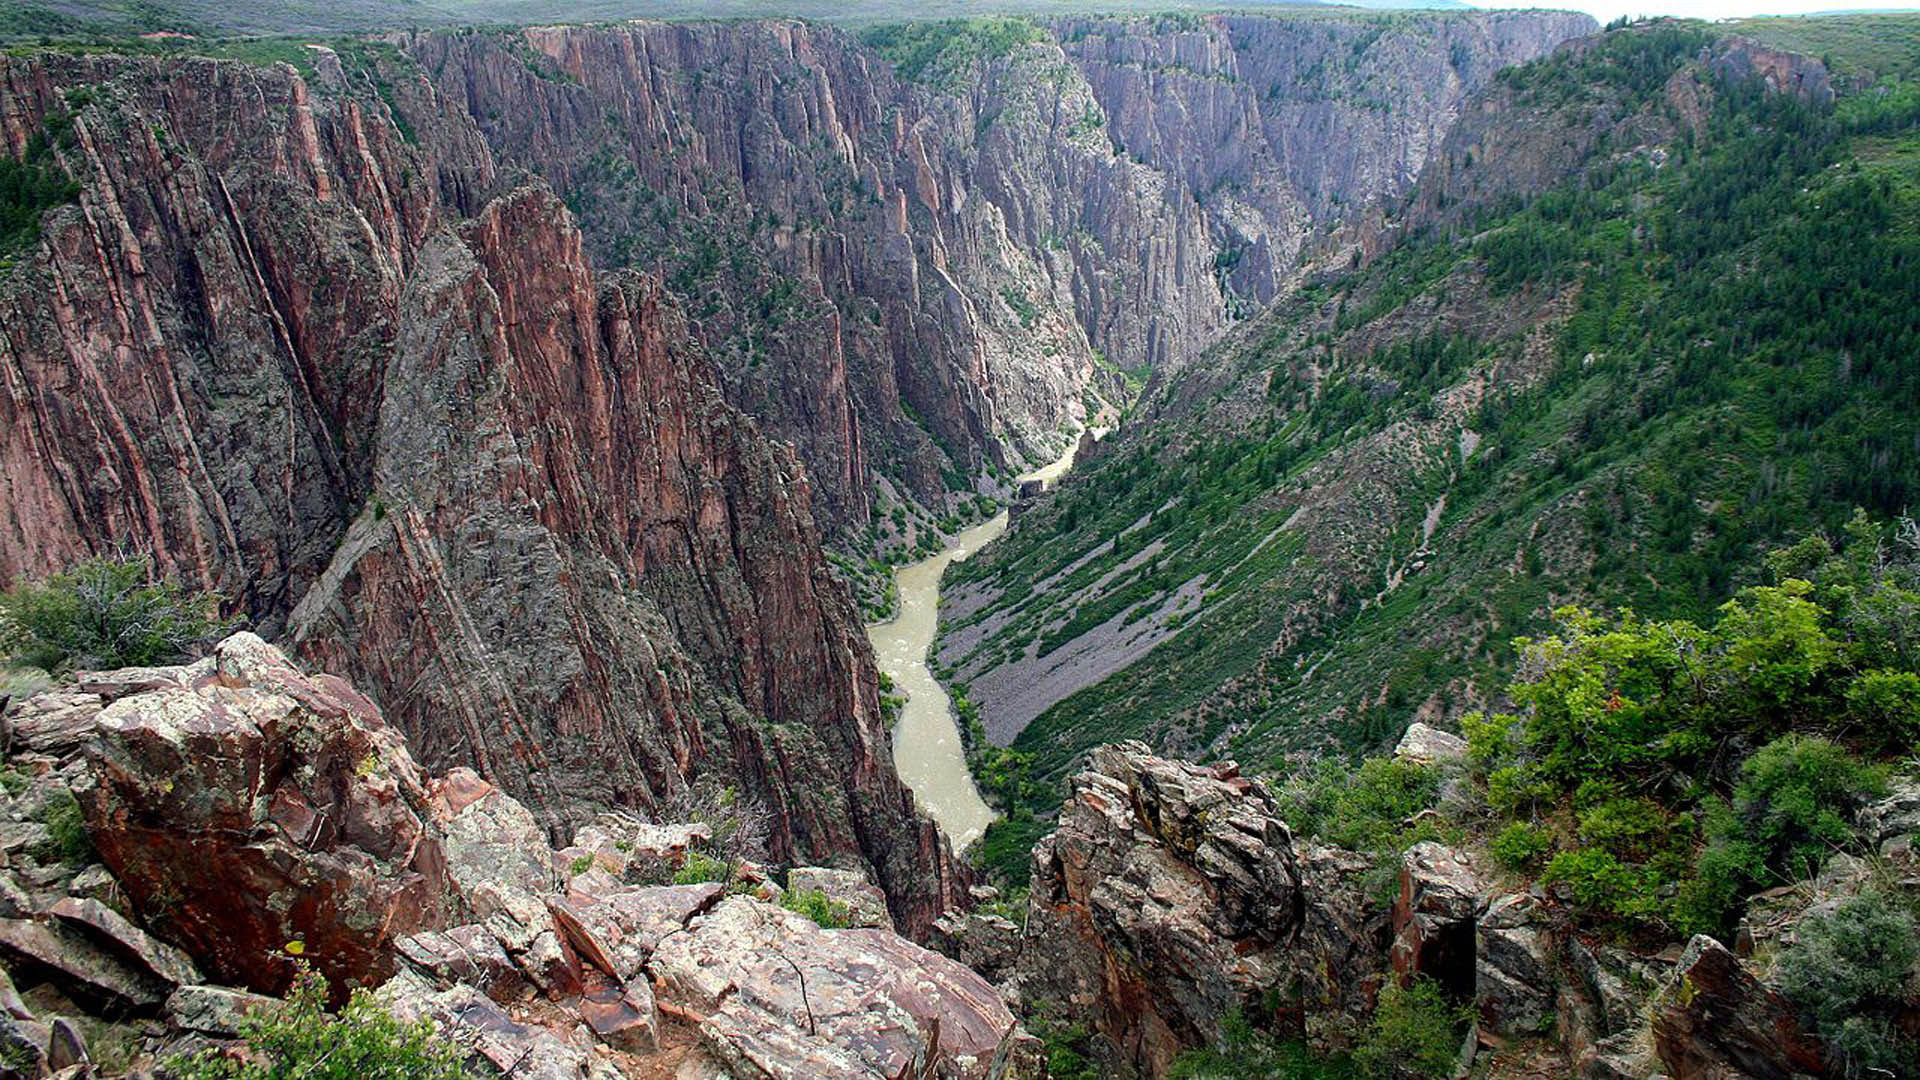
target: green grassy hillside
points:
(1618, 391)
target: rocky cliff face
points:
(911, 281)
(447, 458)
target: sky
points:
(1607, 10)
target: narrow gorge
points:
(698, 549)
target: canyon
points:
(551, 408)
(521, 376)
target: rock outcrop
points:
(1717, 1022)
(253, 818)
(257, 816)
(1172, 895)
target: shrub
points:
(1796, 798)
(1888, 702)
(1522, 846)
(1248, 1054)
(1853, 971)
(299, 1040)
(700, 869)
(1375, 809)
(826, 912)
(108, 613)
(1415, 1032)
(67, 839)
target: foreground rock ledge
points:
(256, 817)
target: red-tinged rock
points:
(264, 816)
(113, 932)
(82, 970)
(623, 1016)
(1433, 917)
(1716, 1021)
(466, 954)
(1170, 897)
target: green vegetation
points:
(107, 613)
(700, 869)
(67, 839)
(1249, 1054)
(1377, 809)
(31, 185)
(1855, 970)
(1621, 770)
(941, 52)
(828, 913)
(1415, 1033)
(300, 1040)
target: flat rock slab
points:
(779, 996)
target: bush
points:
(67, 839)
(1853, 971)
(827, 913)
(1375, 809)
(1614, 772)
(1796, 797)
(298, 1040)
(700, 869)
(108, 613)
(1416, 1032)
(1522, 846)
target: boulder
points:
(56, 723)
(618, 931)
(1514, 985)
(1433, 918)
(623, 1016)
(465, 954)
(213, 1010)
(774, 995)
(82, 970)
(1172, 894)
(111, 930)
(261, 813)
(866, 905)
(66, 1047)
(1424, 744)
(989, 944)
(1716, 1021)
(495, 1041)
(501, 869)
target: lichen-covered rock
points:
(1716, 1021)
(774, 995)
(1173, 894)
(1514, 978)
(865, 905)
(1424, 744)
(1434, 917)
(260, 815)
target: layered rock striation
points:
(437, 452)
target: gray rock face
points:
(777, 996)
(1173, 894)
(866, 906)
